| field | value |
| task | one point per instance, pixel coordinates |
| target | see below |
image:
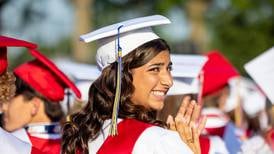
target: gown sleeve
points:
(157, 140)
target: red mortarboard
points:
(217, 71)
(3, 60)
(10, 42)
(44, 76)
(41, 74)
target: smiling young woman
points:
(145, 80)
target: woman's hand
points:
(187, 125)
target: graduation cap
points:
(41, 74)
(185, 71)
(116, 41)
(261, 69)
(132, 33)
(3, 60)
(44, 76)
(251, 98)
(10, 42)
(217, 71)
(254, 100)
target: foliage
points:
(242, 30)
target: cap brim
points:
(262, 71)
(3, 60)
(184, 86)
(59, 73)
(11, 42)
(128, 25)
(187, 65)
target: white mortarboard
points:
(251, 98)
(186, 69)
(134, 33)
(83, 75)
(261, 69)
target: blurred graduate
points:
(262, 72)
(218, 71)
(188, 84)
(40, 86)
(16, 142)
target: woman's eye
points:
(156, 69)
(169, 68)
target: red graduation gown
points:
(45, 139)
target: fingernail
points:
(169, 118)
(192, 124)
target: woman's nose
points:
(167, 79)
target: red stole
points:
(204, 144)
(36, 151)
(270, 138)
(218, 131)
(129, 131)
(46, 146)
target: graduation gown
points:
(137, 137)
(212, 145)
(12, 144)
(219, 126)
(45, 138)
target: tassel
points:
(201, 83)
(113, 127)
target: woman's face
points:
(17, 113)
(152, 81)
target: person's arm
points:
(161, 141)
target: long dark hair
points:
(86, 124)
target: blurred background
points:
(240, 29)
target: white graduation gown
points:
(153, 140)
(10, 144)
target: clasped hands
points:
(188, 123)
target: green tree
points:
(242, 29)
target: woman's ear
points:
(36, 104)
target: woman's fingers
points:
(189, 111)
(190, 133)
(170, 122)
(186, 123)
(197, 148)
(195, 114)
(184, 105)
(181, 127)
(201, 125)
